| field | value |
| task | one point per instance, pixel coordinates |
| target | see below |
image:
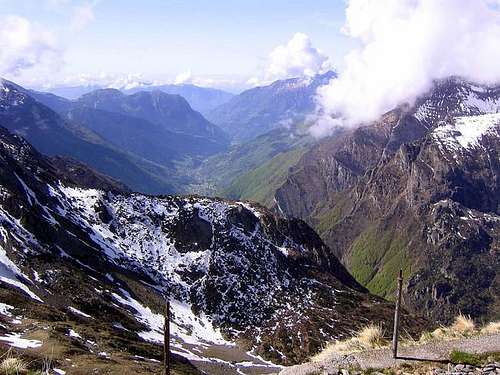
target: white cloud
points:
(103, 79)
(297, 58)
(405, 45)
(83, 14)
(184, 77)
(24, 46)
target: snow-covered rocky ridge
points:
(465, 132)
(235, 272)
(418, 188)
(455, 97)
(459, 114)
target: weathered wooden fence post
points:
(395, 334)
(166, 338)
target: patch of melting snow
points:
(15, 340)
(72, 333)
(185, 325)
(466, 131)
(78, 312)
(4, 309)
(9, 272)
(119, 326)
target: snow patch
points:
(72, 333)
(15, 340)
(9, 272)
(466, 131)
(78, 312)
(4, 309)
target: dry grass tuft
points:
(462, 326)
(491, 328)
(12, 366)
(370, 337)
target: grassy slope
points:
(376, 258)
(261, 183)
(225, 174)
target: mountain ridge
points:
(253, 277)
(375, 193)
(261, 109)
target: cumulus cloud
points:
(297, 58)
(405, 45)
(24, 45)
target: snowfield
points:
(466, 131)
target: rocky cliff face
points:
(417, 190)
(235, 272)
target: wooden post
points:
(166, 338)
(395, 334)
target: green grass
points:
(327, 219)
(261, 183)
(376, 258)
(465, 358)
(226, 173)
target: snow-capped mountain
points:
(239, 277)
(419, 190)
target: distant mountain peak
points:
(261, 109)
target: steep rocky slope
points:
(101, 263)
(417, 190)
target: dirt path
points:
(382, 358)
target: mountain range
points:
(95, 264)
(417, 190)
(201, 99)
(142, 152)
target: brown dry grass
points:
(372, 337)
(462, 326)
(491, 328)
(369, 337)
(12, 366)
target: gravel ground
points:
(382, 358)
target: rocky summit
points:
(416, 190)
(91, 268)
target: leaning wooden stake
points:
(395, 334)
(166, 338)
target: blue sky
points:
(159, 39)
